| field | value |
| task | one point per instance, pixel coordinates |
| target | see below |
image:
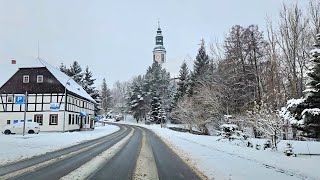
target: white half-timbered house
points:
(53, 99)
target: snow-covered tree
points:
(118, 94)
(266, 122)
(136, 99)
(155, 113)
(200, 70)
(202, 109)
(87, 80)
(64, 69)
(183, 82)
(87, 83)
(311, 114)
(84, 79)
(75, 71)
(150, 95)
(305, 114)
(105, 96)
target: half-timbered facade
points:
(53, 99)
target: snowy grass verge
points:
(18, 147)
(224, 160)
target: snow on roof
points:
(63, 79)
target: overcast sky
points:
(116, 38)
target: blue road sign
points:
(19, 99)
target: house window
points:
(25, 78)
(39, 78)
(77, 122)
(38, 118)
(69, 118)
(72, 118)
(9, 99)
(8, 122)
(53, 119)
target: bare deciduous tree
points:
(293, 43)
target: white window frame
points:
(26, 79)
(51, 122)
(38, 118)
(39, 77)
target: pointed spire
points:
(38, 49)
(159, 24)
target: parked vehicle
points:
(17, 128)
(119, 117)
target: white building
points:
(47, 91)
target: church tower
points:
(159, 52)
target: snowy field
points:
(17, 147)
(225, 160)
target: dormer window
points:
(25, 78)
(39, 78)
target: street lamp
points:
(65, 104)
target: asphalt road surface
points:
(130, 153)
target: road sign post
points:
(23, 100)
(25, 112)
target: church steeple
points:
(159, 52)
(159, 37)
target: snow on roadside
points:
(222, 160)
(17, 147)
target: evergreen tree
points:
(64, 69)
(155, 113)
(201, 68)
(307, 112)
(75, 72)
(151, 94)
(136, 100)
(183, 82)
(105, 97)
(84, 79)
(87, 81)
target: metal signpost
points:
(22, 100)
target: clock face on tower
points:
(158, 57)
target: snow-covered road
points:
(223, 160)
(17, 147)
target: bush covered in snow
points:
(231, 132)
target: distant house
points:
(46, 86)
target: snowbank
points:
(223, 160)
(17, 147)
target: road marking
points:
(84, 171)
(146, 168)
(45, 163)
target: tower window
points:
(25, 78)
(39, 78)
(162, 57)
